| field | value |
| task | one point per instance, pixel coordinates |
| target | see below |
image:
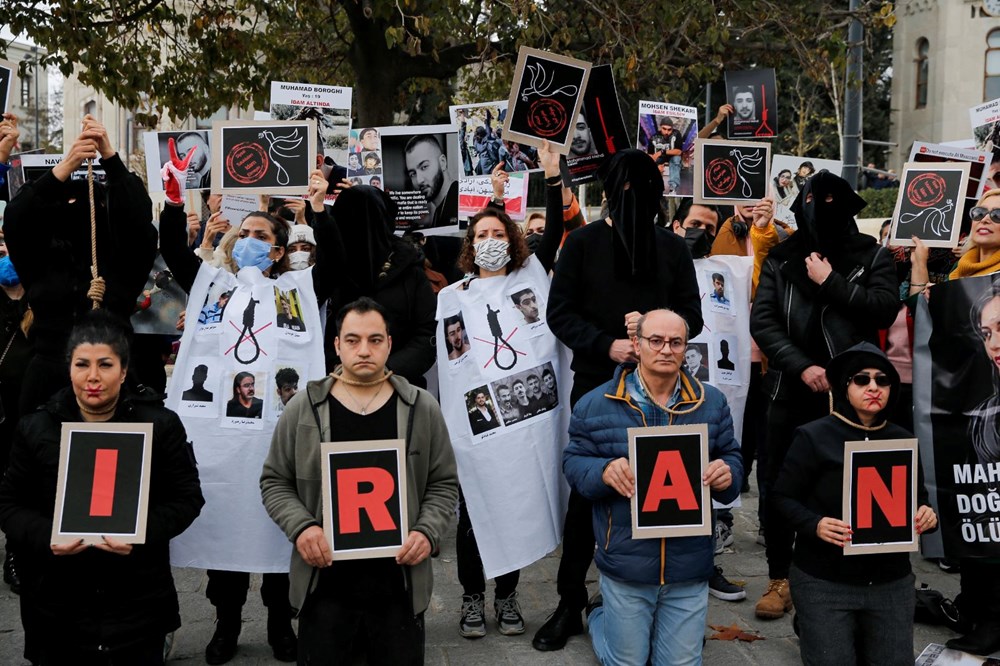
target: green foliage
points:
(881, 203)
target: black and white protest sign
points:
(880, 496)
(364, 498)
(329, 106)
(598, 131)
(930, 203)
(545, 98)
(158, 153)
(8, 85)
(263, 157)
(419, 170)
(985, 119)
(668, 463)
(103, 482)
(28, 167)
(753, 96)
(935, 153)
(731, 172)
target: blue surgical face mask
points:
(8, 276)
(254, 252)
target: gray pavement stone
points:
(537, 591)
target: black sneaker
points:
(595, 602)
(508, 614)
(472, 624)
(948, 565)
(720, 588)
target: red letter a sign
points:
(670, 466)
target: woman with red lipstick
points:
(862, 604)
(111, 603)
(983, 255)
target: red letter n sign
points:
(880, 496)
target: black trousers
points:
(980, 585)
(754, 421)
(228, 589)
(147, 652)
(783, 417)
(470, 564)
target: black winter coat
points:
(97, 598)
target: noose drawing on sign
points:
(498, 341)
(248, 334)
(277, 144)
(935, 217)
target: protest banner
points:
(934, 153)
(263, 157)
(475, 193)
(157, 148)
(930, 203)
(753, 96)
(480, 127)
(328, 106)
(880, 496)
(598, 130)
(788, 174)
(731, 172)
(667, 132)
(985, 119)
(28, 167)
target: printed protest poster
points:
(753, 96)
(599, 129)
(263, 157)
(480, 128)
(505, 383)
(731, 172)
(328, 106)
(8, 85)
(985, 120)
(545, 98)
(929, 204)
(158, 153)
(231, 373)
(28, 167)
(936, 654)
(789, 174)
(161, 303)
(235, 207)
(364, 498)
(670, 499)
(667, 133)
(475, 193)
(102, 486)
(935, 153)
(880, 496)
(956, 386)
(419, 171)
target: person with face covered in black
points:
(825, 289)
(608, 269)
(369, 260)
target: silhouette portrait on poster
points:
(752, 94)
(263, 157)
(930, 204)
(880, 496)
(545, 99)
(731, 172)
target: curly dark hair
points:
(518, 249)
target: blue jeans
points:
(674, 179)
(637, 619)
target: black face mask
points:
(699, 242)
(533, 241)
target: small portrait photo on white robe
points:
(482, 411)
(210, 317)
(725, 363)
(200, 394)
(456, 338)
(696, 360)
(245, 405)
(720, 292)
(289, 309)
(289, 377)
(529, 307)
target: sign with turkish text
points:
(930, 203)
(880, 496)
(262, 156)
(731, 172)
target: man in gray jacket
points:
(382, 599)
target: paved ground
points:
(537, 593)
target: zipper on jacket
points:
(607, 540)
(663, 561)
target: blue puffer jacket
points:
(598, 435)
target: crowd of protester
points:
(832, 362)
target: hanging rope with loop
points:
(96, 291)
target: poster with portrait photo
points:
(8, 85)
(29, 167)
(545, 98)
(788, 174)
(364, 164)
(731, 172)
(529, 308)
(214, 308)
(929, 204)
(979, 160)
(456, 338)
(199, 169)
(202, 389)
(482, 411)
(475, 193)
(720, 299)
(246, 396)
(289, 309)
(364, 140)
(263, 157)
(161, 302)
(328, 106)
(724, 362)
(288, 378)
(599, 129)
(696, 360)
(753, 96)
(523, 395)
(420, 169)
(667, 133)
(985, 120)
(480, 142)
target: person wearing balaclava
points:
(607, 269)
(825, 289)
(47, 229)
(369, 260)
(847, 605)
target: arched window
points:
(923, 71)
(991, 81)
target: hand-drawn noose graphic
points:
(247, 334)
(498, 341)
(743, 164)
(278, 144)
(932, 216)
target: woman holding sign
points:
(111, 601)
(861, 604)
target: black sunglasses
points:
(979, 213)
(864, 379)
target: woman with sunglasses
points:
(983, 255)
(862, 605)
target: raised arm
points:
(177, 254)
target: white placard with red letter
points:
(880, 496)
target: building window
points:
(923, 71)
(26, 91)
(991, 82)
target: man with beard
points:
(535, 397)
(427, 167)
(745, 105)
(509, 411)
(482, 417)
(583, 139)
(454, 333)
(244, 404)
(666, 148)
(199, 170)
(521, 395)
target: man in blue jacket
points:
(655, 591)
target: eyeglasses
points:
(864, 379)
(979, 214)
(656, 343)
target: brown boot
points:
(776, 601)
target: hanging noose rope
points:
(248, 334)
(498, 342)
(96, 291)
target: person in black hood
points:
(369, 260)
(823, 290)
(862, 604)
